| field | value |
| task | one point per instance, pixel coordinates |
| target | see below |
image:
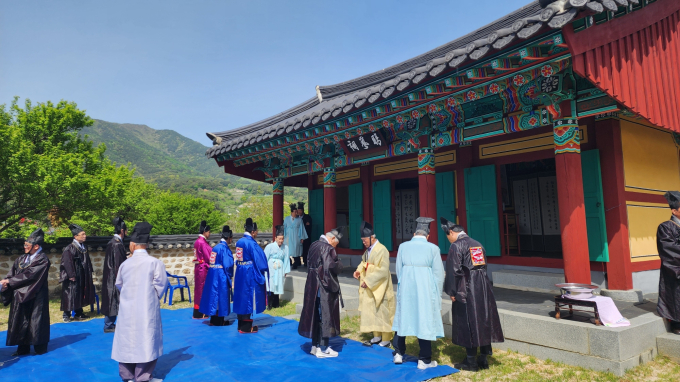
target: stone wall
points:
(176, 252)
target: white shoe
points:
(422, 365)
(385, 344)
(313, 351)
(398, 359)
(375, 340)
(155, 380)
(329, 353)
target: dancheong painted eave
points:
(362, 93)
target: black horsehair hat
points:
(141, 233)
(446, 224)
(423, 224)
(203, 227)
(119, 224)
(293, 207)
(250, 225)
(75, 229)
(226, 232)
(37, 237)
(366, 230)
(279, 230)
(301, 205)
(673, 198)
(336, 232)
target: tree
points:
(175, 214)
(45, 167)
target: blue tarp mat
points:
(193, 351)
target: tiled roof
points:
(349, 96)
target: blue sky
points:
(197, 66)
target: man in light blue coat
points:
(420, 272)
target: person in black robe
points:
(26, 289)
(475, 316)
(75, 276)
(320, 317)
(668, 246)
(307, 222)
(115, 255)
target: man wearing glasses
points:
(25, 287)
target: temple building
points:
(550, 134)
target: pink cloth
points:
(609, 313)
(202, 252)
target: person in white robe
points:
(294, 235)
(138, 339)
(420, 274)
(279, 267)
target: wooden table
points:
(563, 302)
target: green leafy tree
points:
(45, 167)
(175, 214)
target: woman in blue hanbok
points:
(279, 266)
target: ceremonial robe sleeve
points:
(268, 251)
(160, 278)
(286, 260)
(399, 265)
(228, 264)
(377, 273)
(119, 277)
(119, 255)
(260, 262)
(88, 263)
(438, 270)
(29, 276)
(302, 230)
(454, 282)
(668, 249)
(67, 262)
(333, 265)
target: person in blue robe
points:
(294, 235)
(420, 273)
(216, 300)
(279, 267)
(250, 278)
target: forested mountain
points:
(175, 163)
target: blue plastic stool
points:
(170, 289)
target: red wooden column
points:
(330, 219)
(571, 202)
(427, 191)
(277, 207)
(619, 267)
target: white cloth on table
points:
(609, 313)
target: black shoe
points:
(470, 364)
(68, 319)
(82, 316)
(482, 362)
(110, 330)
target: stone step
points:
(669, 345)
(527, 280)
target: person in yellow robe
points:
(376, 293)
